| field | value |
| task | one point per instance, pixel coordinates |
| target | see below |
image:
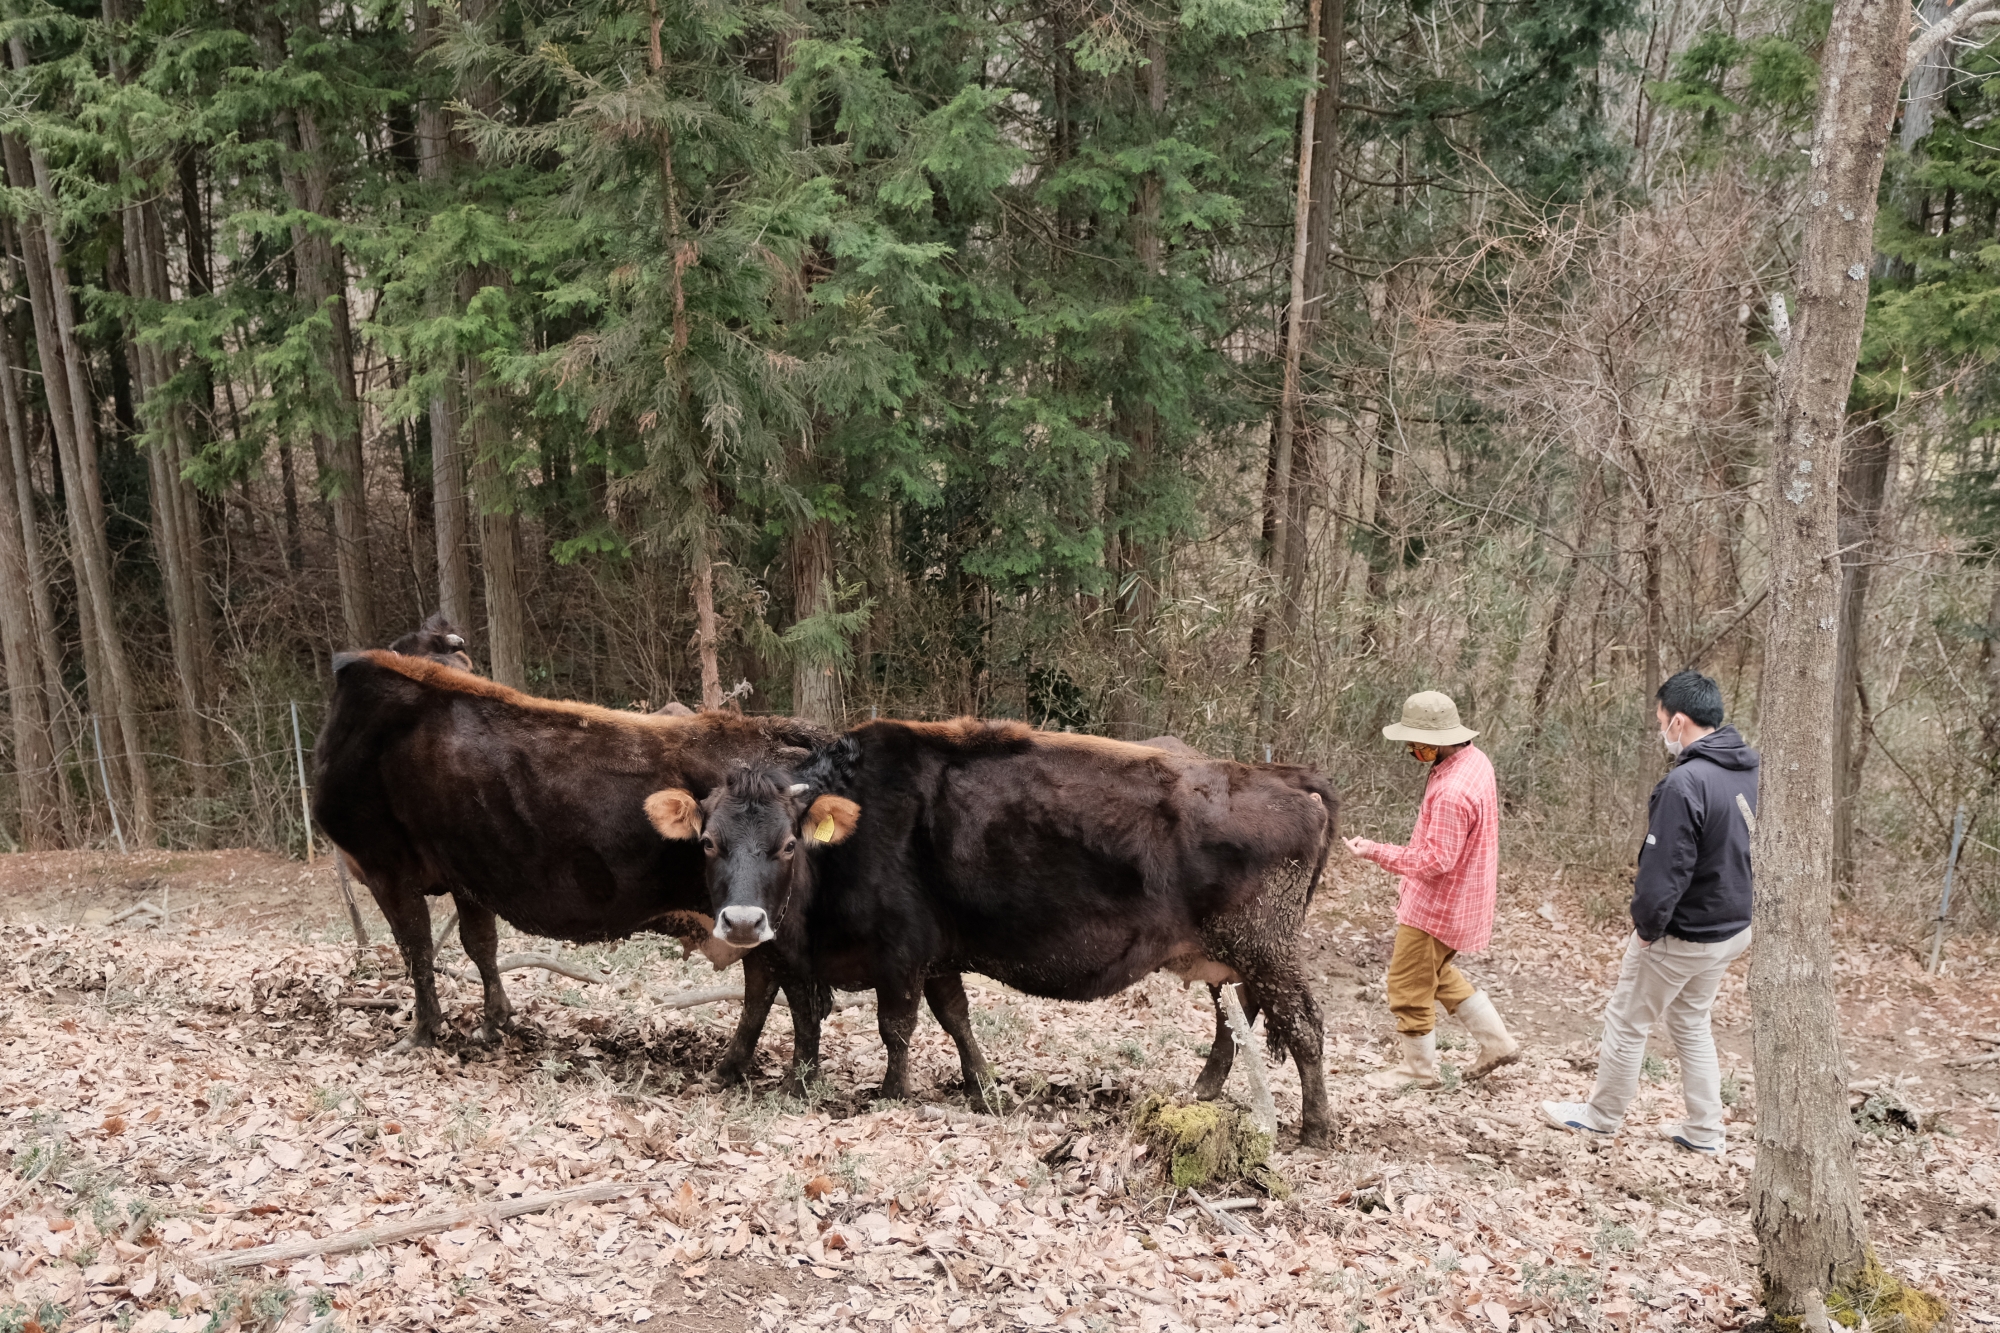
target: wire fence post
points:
(104, 776)
(305, 801)
(1944, 904)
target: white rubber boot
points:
(1496, 1048)
(1419, 1065)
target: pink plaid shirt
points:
(1451, 868)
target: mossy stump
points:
(1205, 1144)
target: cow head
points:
(437, 640)
(758, 830)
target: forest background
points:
(1228, 368)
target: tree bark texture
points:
(437, 155)
(1864, 481)
(815, 683)
(492, 483)
(1285, 429)
(321, 285)
(106, 669)
(1807, 1201)
(28, 696)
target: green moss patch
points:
(1889, 1304)
(1204, 1144)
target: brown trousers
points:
(1420, 978)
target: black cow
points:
(432, 780)
(1065, 866)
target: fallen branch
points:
(514, 962)
(1990, 1038)
(367, 1238)
(1233, 1226)
(688, 999)
(1974, 1062)
(134, 910)
(373, 1002)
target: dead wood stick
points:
(367, 1238)
(1974, 1062)
(373, 1002)
(1252, 1061)
(514, 962)
(134, 910)
(444, 930)
(1224, 1220)
(1990, 1038)
(347, 892)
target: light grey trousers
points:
(1675, 981)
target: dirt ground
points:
(184, 1084)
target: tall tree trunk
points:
(176, 526)
(28, 696)
(1864, 480)
(321, 284)
(1811, 1233)
(492, 484)
(1588, 500)
(1300, 491)
(1284, 430)
(106, 669)
(815, 680)
(437, 155)
(706, 632)
(1129, 487)
(57, 705)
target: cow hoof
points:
(416, 1039)
(1316, 1136)
(488, 1035)
(730, 1073)
(1207, 1090)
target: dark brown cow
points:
(432, 780)
(1065, 866)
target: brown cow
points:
(432, 780)
(1065, 866)
(439, 640)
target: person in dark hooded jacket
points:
(1690, 919)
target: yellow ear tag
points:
(824, 833)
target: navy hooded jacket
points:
(1694, 869)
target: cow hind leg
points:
(479, 933)
(1261, 945)
(409, 917)
(948, 1001)
(760, 988)
(1222, 1051)
(896, 1018)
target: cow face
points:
(757, 830)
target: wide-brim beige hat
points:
(1429, 718)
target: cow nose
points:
(743, 925)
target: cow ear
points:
(831, 819)
(674, 813)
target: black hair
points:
(1694, 694)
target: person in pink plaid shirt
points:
(1450, 878)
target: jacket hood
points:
(1725, 748)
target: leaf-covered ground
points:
(171, 1093)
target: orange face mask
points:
(1427, 753)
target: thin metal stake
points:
(305, 803)
(104, 775)
(1944, 904)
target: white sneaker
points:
(1677, 1135)
(1573, 1115)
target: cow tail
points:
(1331, 800)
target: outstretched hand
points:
(1354, 845)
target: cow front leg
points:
(948, 1001)
(896, 1018)
(810, 1002)
(1222, 1051)
(479, 932)
(760, 988)
(1291, 1014)
(409, 917)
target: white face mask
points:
(1674, 747)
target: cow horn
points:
(797, 789)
